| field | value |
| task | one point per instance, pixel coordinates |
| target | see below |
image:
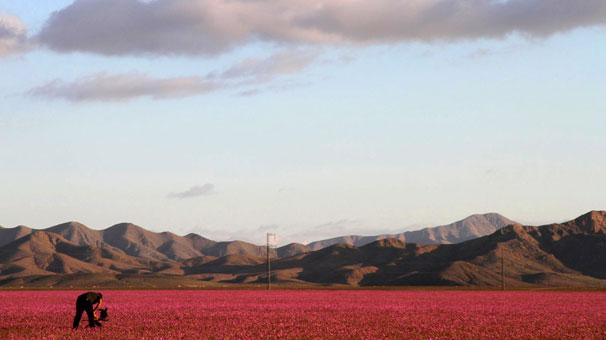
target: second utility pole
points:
(269, 236)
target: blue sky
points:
(367, 135)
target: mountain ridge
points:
(136, 240)
(473, 226)
(571, 254)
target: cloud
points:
(326, 230)
(13, 35)
(122, 87)
(195, 191)
(207, 27)
(339, 225)
(267, 228)
(249, 92)
(266, 69)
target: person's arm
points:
(99, 304)
(96, 309)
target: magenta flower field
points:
(311, 314)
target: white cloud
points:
(13, 35)
(195, 191)
(208, 27)
(122, 87)
(198, 27)
(265, 69)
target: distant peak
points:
(341, 246)
(489, 215)
(125, 226)
(595, 215)
(495, 219)
(75, 224)
(68, 226)
(22, 227)
(593, 221)
(515, 228)
(513, 231)
(194, 236)
(493, 214)
(387, 243)
(294, 244)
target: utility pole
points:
(502, 270)
(270, 237)
(502, 263)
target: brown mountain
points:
(8, 235)
(292, 249)
(138, 242)
(77, 233)
(570, 254)
(123, 248)
(469, 228)
(41, 253)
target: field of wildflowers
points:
(368, 314)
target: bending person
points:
(88, 302)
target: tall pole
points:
(268, 262)
(502, 270)
(502, 263)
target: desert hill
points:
(570, 254)
(8, 235)
(466, 229)
(124, 247)
(131, 248)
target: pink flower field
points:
(311, 314)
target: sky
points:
(307, 118)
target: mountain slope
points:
(47, 253)
(469, 228)
(123, 248)
(139, 242)
(570, 254)
(220, 249)
(8, 235)
(579, 244)
(551, 255)
(77, 233)
(292, 249)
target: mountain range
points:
(465, 253)
(466, 229)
